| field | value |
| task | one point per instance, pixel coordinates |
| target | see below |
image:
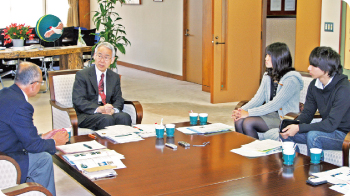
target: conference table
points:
(152, 169)
(71, 57)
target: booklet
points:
(205, 129)
(80, 147)
(96, 160)
(259, 148)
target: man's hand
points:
(49, 134)
(109, 109)
(290, 130)
(101, 109)
(61, 138)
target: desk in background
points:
(71, 57)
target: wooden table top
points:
(46, 51)
(153, 169)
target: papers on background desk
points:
(259, 148)
(205, 129)
(80, 147)
(120, 134)
(339, 177)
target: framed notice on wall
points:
(135, 2)
(281, 8)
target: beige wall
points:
(331, 13)
(281, 30)
(155, 32)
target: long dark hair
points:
(281, 60)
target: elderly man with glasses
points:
(97, 96)
(19, 137)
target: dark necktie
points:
(101, 87)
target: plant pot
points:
(18, 42)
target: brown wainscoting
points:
(206, 88)
(154, 71)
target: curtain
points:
(73, 13)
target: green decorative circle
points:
(49, 28)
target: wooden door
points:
(193, 41)
(237, 27)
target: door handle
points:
(219, 43)
(187, 32)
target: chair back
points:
(307, 80)
(10, 172)
(61, 86)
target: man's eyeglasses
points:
(42, 82)
(106, 58)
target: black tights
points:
(251, 126)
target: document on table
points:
(96, 159)
(142, 130)
(146, 130)
(339, 177)
(80, 147)
(259, 148)
(205, 129)
(119, 134)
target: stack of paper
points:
(95, 175)
(205, 129)
(259, 148)
(126, 133)
(96, 159)
(120, 134)
(339, 177)
(146, 130)
(80, 147)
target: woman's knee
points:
(238, 125)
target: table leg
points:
(71, 61)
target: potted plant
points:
(112, 31)
(17, 32)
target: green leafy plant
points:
(112, 31)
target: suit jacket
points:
(18, 135)
(85, 92)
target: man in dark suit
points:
(97, 97)
(19, 137)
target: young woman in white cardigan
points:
(277, 95)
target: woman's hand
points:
(238, 114)
(244, 114)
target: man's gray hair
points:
(27, 73)
(107, 45)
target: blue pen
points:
(87, 146)
(122, 135)
(138, 128)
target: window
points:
(29, 12)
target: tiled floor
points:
(160, 97)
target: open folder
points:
(80, 147)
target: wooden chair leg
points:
(346, 145)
